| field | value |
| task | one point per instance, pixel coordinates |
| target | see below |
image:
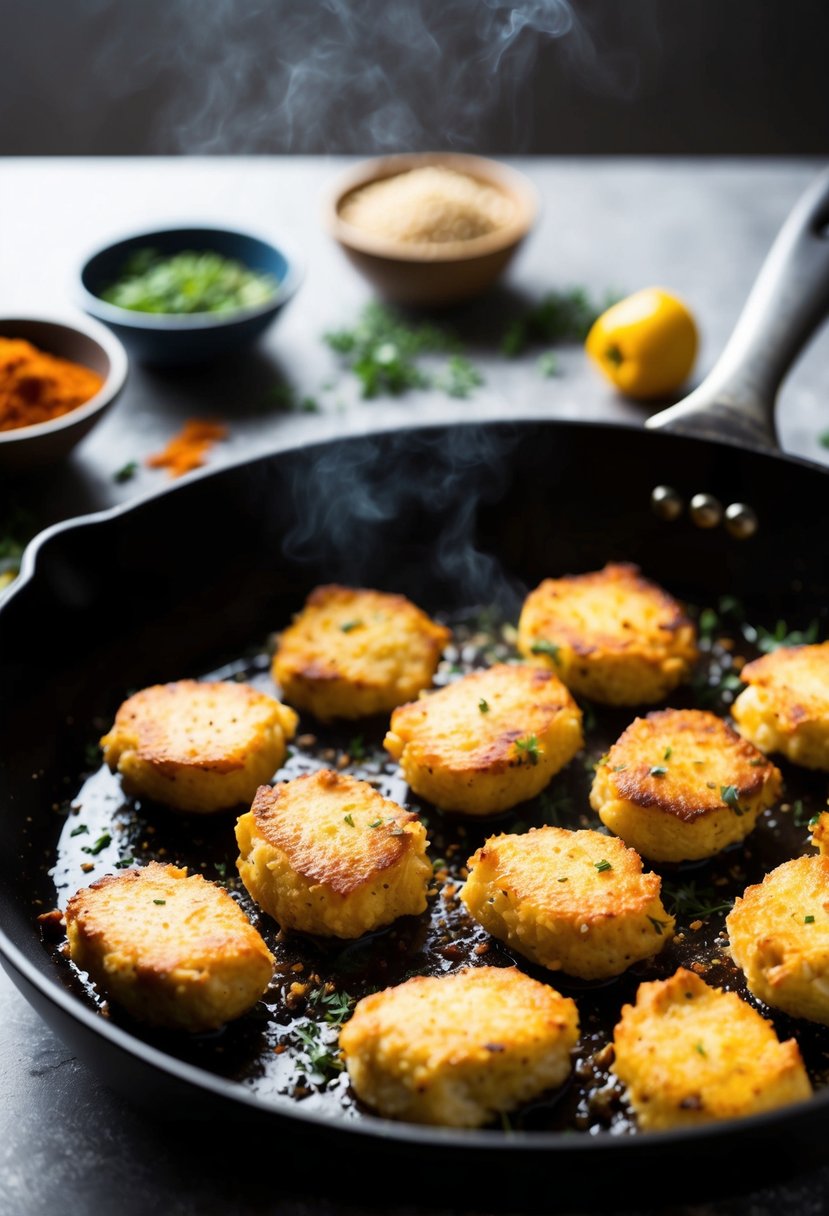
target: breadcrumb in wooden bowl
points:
(431, 228)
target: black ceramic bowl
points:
(168, 338)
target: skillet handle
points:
(789, 299)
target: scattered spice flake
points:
(188, 449)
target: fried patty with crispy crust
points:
(328, 854)
(571, 901)
(610, 635)
(458, 1049)
(779, 936)
(198, 746)
(173, 950)
(351, 652)
(487, 741)
(680, 784)
(692, 1054)
(786, 706)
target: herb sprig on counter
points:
(560, 316)
(385, 354)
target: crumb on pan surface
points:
(327, 854)
(785, 707)
(691, 1054)
(198, 746)
(428, 205)
(611, 635)
(458, 1049)
(353, 652)
(174, 950)
(487, 741)
(779, 936)
(571, 901)
(681, 785)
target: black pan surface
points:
(460, 519)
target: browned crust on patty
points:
(279, 815)
(690, 796)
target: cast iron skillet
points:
(451, 516)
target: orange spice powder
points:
(188, 449)
(36, 386)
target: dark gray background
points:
(87, 77)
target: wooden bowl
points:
(434, 273)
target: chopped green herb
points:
(124, 863)
(221, 868)
(560, 316)
(80, 830)
(658, 925)
(439, 864)
(668, 752)
(618, 768)
(529, 748)
(758, 762)
(376, 824)
(730, 797)
(101, 843)
(126, 472)
(548, 365)
(699, 1047)
(602, 865)
(188, 282)
(813, 822)
(321, 1060)
(769, 640)
(460, 378)
(357, 748)
(336, 1006)
(542, 646)
(709, 623)
(561, 879)
(384, 354)
(483, 706)
(657, 771)
(159, 901)
(286, 397)
(808, 920)
(349, 819)
(347, 626)
(692, 900)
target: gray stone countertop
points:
(700, 228)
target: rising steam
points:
(352, 75)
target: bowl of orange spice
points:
(57, 379)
